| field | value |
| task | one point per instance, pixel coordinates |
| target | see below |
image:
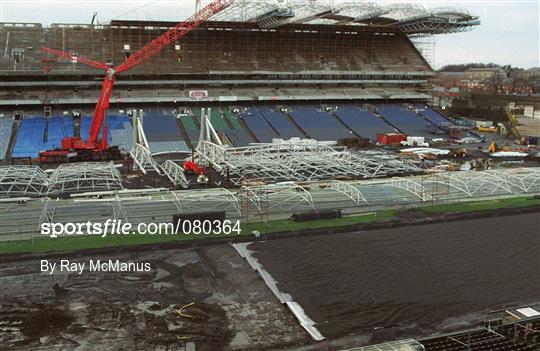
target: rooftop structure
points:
(410, 18)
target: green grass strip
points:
(73, 243)
(512, 202)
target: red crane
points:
(93, 147)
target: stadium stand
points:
(122, 136)
(6, 125)
(167, 133)
(162, 133)
(280, 123)
(191, 129)
(434, 117)
(235, 133)
(32, 138)
(322, 48)
(406, 121)
(363, 122)
(232, 119)
(319, 125)
(259, 126)
(37, 134)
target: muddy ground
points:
(232, 310)
(361, 288)
(387, 284)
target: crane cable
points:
(133, 10)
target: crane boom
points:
(71, 57)
(143, 54)
(172, 34)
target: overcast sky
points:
(509, 33)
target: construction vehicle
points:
(458, 152)
(493, 147)
(93, 148)
(488, 129)
(513, 124)
(192, 168)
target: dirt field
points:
(233, 309)
(360, 288)
(409, 281)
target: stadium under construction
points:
(370, 220)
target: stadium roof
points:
(411, 18)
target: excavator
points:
(92, 148)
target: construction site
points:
(363, 216)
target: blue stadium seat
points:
(237, 135)
(30, 137)
(259, 126)
(319, 125)
(280, 123)
(363, 123)
(406, 121)
(435, 117)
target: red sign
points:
(198, 94)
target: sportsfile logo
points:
(119, 227)
(110, 226)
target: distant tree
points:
(465, 66)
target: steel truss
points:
(22, 180)
(348, 190)
(298, 161)
(47, 214)
(88, 176)
(119, 211)
(490, 182)
(281, 197)
(143, 158)
(412, 186)
(217, 199)
(411, 18)
(273, 201)
(175, 173)
(398, 345)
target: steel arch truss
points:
(348, 190)
(47, 214)
(412, 186)
(281, 197)
(175, 173)
(490, 182)
(22, 180)
(89, 176)
(119, 211)
(274, 201)
(143, 158)
(306, 160)
(218, 199)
